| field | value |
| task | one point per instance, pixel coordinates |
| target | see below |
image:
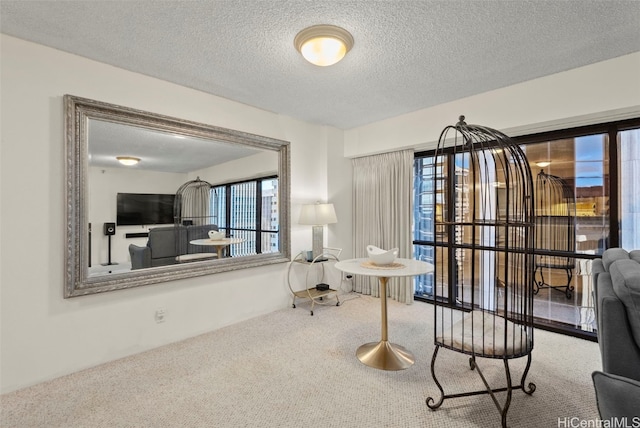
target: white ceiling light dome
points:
(323, 45)
(127, 160)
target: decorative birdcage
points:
(193, 219)
(484, 240)
(555, 231)
(192, 203)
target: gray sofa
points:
(616, 278)
(166, 244)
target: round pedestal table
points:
(385, 355)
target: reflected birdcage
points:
(192, 203)
(193, 219)
(555, 231)
(484, 240)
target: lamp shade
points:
(318, 214)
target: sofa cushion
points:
(484, 333)
(635, 255)
(620, 354)
(613, 254)
(140, 257)
(625, 275)
(167, 241)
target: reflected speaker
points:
(109, 228)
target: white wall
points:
(258, 165)
(605, 91)
(340, 181)
(42, 335)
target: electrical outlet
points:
(161, 315)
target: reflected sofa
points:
(616, 278)
(166, 244)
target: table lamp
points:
(318, 215)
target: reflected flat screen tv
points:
(144, 209)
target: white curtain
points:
(383, 201)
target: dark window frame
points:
(259, 230)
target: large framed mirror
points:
(140, 224)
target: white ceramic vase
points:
(215, 235)
(380, 256)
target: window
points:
(583, 162)
(423, 217)
(630, 188)
(601, 166)
(248, 210)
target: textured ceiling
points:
(408, 55)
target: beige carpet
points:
(290, 369)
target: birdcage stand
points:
(539, 285)
(502, 408)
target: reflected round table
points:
(385, 355)
(219, 244)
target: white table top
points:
(225, 241)
(411, 267)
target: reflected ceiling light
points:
(323, 45)
(127, 160)
(543, 164)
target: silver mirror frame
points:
(78, 111)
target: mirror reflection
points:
(165, 198)
(171, 193)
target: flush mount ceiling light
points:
(323, 45)
(127, 160)
(543, 164)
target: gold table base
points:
(384, 355)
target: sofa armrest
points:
(597, 267)
(620, 355)
(140, 257)
(617, 397)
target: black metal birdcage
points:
(484, 261)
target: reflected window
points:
(583, 163)
(248, 210)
